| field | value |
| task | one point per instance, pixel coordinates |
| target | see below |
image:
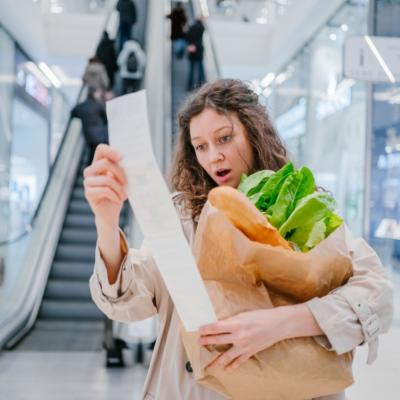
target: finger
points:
(104, 150)
(225, 326)
(100, 193)
(105, 166)
(227, 357)
(216, 339)
(108, 181)
(237, 362)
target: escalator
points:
(68, 319)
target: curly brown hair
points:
(224, 96)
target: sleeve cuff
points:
(335, 337)
(121, 285)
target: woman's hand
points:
(253, 331)
(248, 332)
(104, 183)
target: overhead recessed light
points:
(344, 27)
(332, 36)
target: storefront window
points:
(336, 116)
(29, 162)
(320, 114)
(290, 105)
(7, 56)
(33, 118)
(385, 151)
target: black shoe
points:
(114, 358)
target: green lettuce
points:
(288, 199)
(271, 188)
(296, 186)
(252, 184)
(309, 210)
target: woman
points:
(224, 132)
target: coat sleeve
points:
(357, 312)
(137, 292)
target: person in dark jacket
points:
(105, 52)
(92, 113)
(178, 37)
(127, 18)
(195, 51)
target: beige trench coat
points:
(349, 316)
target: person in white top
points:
(131, 61)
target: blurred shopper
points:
(178, 37)
(195, 51)
(95, 76)
(92, 113)
(131, 61)
(105, 52)
(127, 18)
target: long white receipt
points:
(150, 199)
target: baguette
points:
(245, 216)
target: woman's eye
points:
(225, 139)
(200, 147)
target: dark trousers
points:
(125, 31)
(130, 85)
(91, 150)
(196, 74)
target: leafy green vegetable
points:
(288, 199)
(309, 210)
(317, 235)
(252, 184)
(332, 222)
(307, 185)
(271, 188)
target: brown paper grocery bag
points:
(294, 369)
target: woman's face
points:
(221, 146)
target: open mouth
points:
(223, 172)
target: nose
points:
(215, 155)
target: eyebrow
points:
(217, 130)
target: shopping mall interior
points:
(327, 73)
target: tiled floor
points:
(81, 376)
(66, 376)
(27, 375)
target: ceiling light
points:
(268, 79)
(50, 74)
(33, 69)
(281, 78)
(344, 27)
(332, 36)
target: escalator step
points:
(78, 193)
(85, 221)
(79, 207)
(78, 236)
(80, 271)
(67, 290)
(68, 310)
(79, 221)
(79, 181)
(75, 252)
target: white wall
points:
(250, 51)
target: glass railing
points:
(76, 6)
